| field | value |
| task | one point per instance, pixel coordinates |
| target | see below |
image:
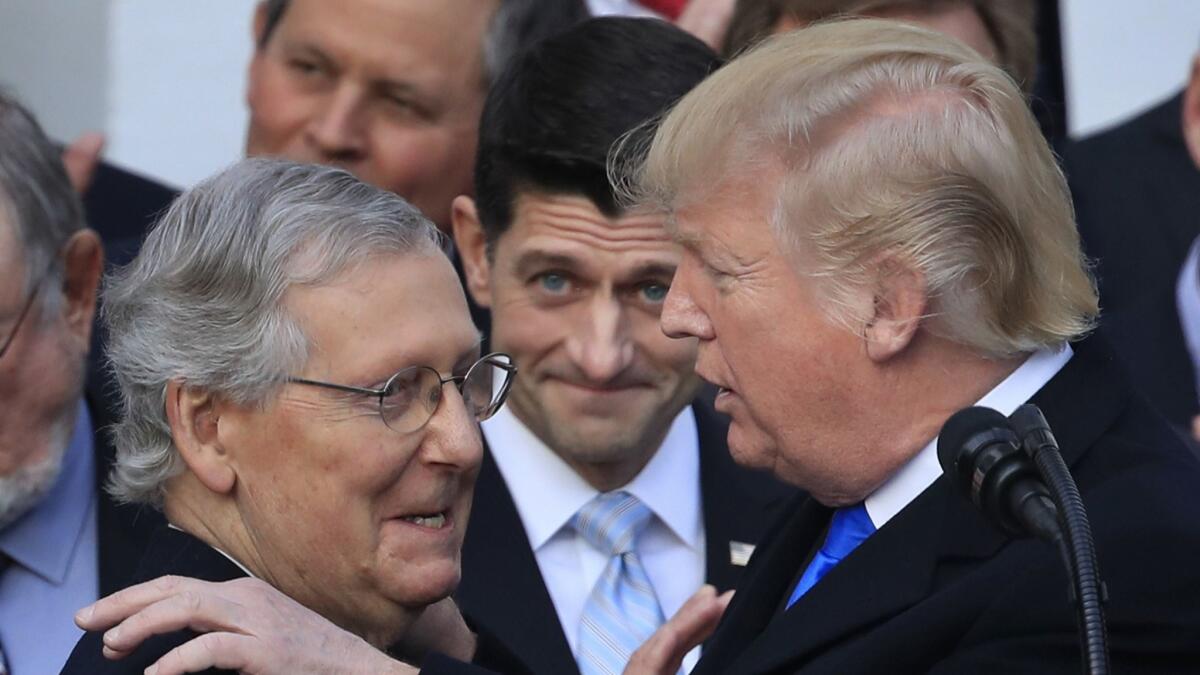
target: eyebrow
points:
(650, 269)
(533, 259)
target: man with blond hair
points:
(877, 236)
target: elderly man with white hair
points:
(301, 385)
(876, 236)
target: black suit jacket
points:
(170, 552)
(937, 589)
(1137, 200)
(502, 590)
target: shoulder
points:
(88, 659)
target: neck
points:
(917, 394)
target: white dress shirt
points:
(548, 493)
(619, 8)
(919, 473)
(1187, 300)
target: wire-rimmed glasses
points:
(408, 400)
(33, 293)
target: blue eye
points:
(655, 292)
(553, 283)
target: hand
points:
(440, 628)
(1196, 428)
(81, 158)
(707, 20)
(248, 626)
(663, 653)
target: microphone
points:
(981, 453)
(1088, 591)
(1003, 466)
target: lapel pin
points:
(739, 553)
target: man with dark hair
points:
(62, 538)
(599, 421)
(606, 496)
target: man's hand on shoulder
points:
(247, 625)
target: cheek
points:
(523, 329)
(278, 111)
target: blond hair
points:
(890, 140)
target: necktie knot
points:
(612, 521)
(848, 528)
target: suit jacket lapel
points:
(502, 586)
(737, 504)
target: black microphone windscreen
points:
(961, 426)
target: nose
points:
(336, 130)
(601, 348)
(452, 436)
(681, 317)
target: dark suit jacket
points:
(1137, 200)
(937, 589)
(170, 552)
(122, 206)
(123, 530)
(502, 590)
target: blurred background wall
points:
(164, 78)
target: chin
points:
(418, 586)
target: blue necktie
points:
(848, 528)
(622, 611)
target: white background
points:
(165, 78)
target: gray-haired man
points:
(62, 540)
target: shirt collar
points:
(923, 469)
(44, 540)
(548, 493)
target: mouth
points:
(434, 522)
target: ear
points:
(83, 263)
(897, 308)
(194, 415)
(1191, 112)
(471, 242)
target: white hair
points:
(202, 304)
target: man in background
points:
(63, 540)
(1003, 31)
(605, 416)
(1137, 197)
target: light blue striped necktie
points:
(622, 612)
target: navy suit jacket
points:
(938, 590)
(1137, 201)
(502, 591)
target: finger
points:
(224, 651)
(691, 625)
(201, 612)
(81, 158)
(108, 612)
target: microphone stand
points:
(1088, 593)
